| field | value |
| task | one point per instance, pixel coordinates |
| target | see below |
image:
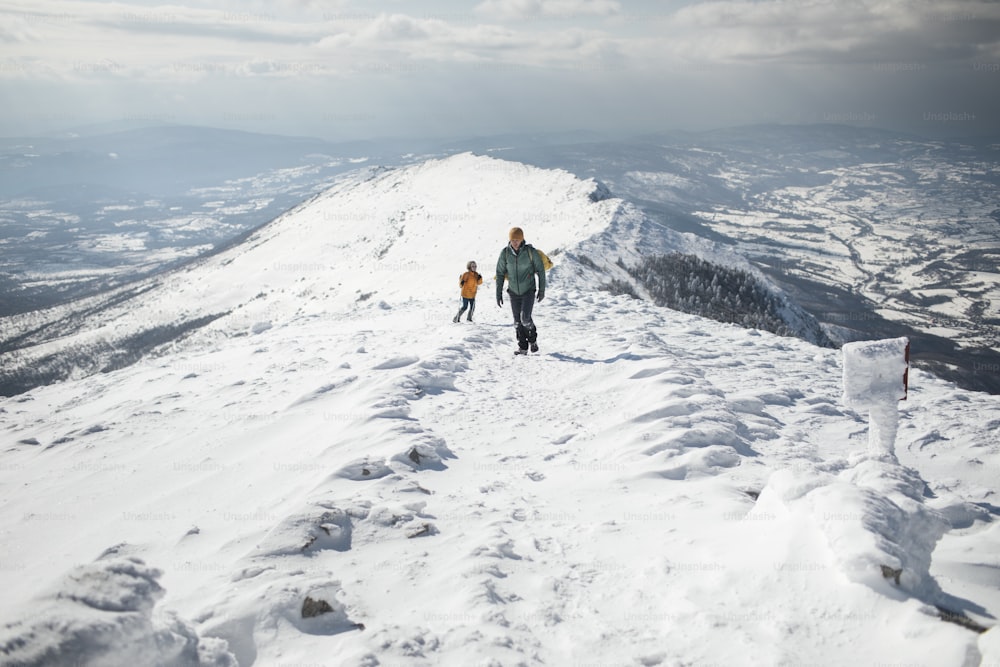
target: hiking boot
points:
(534, 346)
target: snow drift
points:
(103, 613)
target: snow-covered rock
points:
(103, 613)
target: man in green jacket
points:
(518, 265)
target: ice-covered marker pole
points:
(876, 375)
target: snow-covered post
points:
(875, 379)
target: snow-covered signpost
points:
(876, 378)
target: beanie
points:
(516, 234)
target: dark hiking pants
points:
(521, 305)
(468, 303)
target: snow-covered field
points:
(917, 236)
(332, 473)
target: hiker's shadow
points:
(625, 356)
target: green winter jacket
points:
(519, 269)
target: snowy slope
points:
(334, 473)
(368, 241)
(375, 233)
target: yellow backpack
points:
(546, 262)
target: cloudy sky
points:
(345, 69)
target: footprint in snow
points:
(701, 463)
(501, 550)
(534, 476)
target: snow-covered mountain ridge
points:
(333, 473)
(876, 234)
(371, 236)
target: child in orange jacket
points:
(469, 282)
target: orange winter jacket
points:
(470, 282)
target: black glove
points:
(541, 295)
(461, 283)
(499, 300)
(478, 277)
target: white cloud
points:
(406, 38)
(774, 58)
(515, 10)
(200, 41)
(84, 41)
(820, 32)
(398, 28)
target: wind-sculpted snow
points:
(103, 614)
(877, 528)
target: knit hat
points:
(516, 234)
